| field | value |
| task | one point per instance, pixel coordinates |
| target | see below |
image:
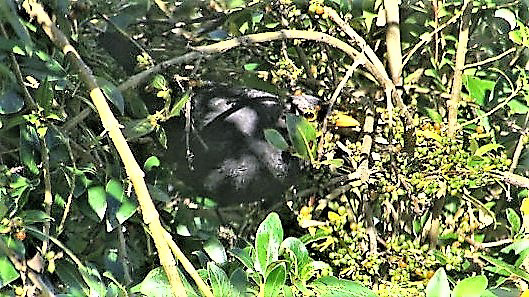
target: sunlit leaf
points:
(487, 148)
(267, 241)
(514, 221)
(301, 134)
(97, 198)
(478, 87)
(215, 250)
(8, 273)
(471, 287)
(275, 279)
(438, 285)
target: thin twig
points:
(69, 200)
(332, 101)
(496, 108)
(491, 59)
(427, 38)
(48, 197)
(520, 145)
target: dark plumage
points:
(232, 161)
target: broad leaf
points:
(301, 134)
(276, 139)
(275, 280)
(97, 198)
(267, 241)
(471, 287)
(215, 250)
(297, 253)
(487, 148)
(514, 221)
(220, 284)
(478, 87)
(8, 273)
(508, 267)
(120, 206)
(29, 143)
(112, 93)
(243, 256)
(438, 285)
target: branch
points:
(453, 103)
(393, 47)
(223, 46)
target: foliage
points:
(273, 266)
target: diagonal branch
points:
(112, 126)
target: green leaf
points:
(135, 129)
(301, 133)
(330, 286)
(518, 107)
(251, 66)
(161, 136)
(44, 96)
(488, 293)
(275, 280)
(434, 115)
(438, 285)
(29, 144)
(477, 88)
(9, 13)
(32, 216)
(506, 266)
(215, 250)
(297, 253)
(69, 274)
(97, 199)
(158, 194)
(518, 247)
(151, 162)
(267, 241)
(10, 101)
(430, 134)
(220, 284)
(159, 82)
(120, 207)
(243, 256)
(517, 36)
(93, 280)
(487, 148)
(112, 93)
(514, 221)
(471, 287)
(239, 280)
(275, 138)
(310, 269)
(175, 111)
(155, 284)
(8, 273)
